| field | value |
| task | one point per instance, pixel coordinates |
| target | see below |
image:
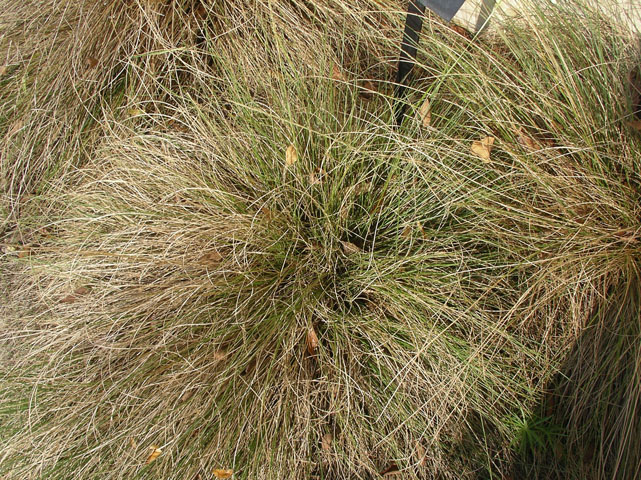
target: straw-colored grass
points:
(229, 253)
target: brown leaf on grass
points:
(312, 340)
(24, 252)
(92, 62)
(421, 453)
(627, 236)
(526, 141)
(3, 70)
(368, 89)
(223, 472)
(425, 113)
(635, 124)
(211, 258)
(326, 442)
(391, 469)
(81, 291)
(269, 215)
(363, 187)
(407, 232)
(291, 156)
(337, 73)
(482, 148)
(132, 443)
(155, 452)
(200, 12)
(15, 128)
(344, 210)
(316, 177)
(220, 355)
(460, 30)
(349, 248)
(69, 299)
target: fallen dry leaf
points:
(135, 112)
(425, 113)
(482, 148)
(363, 187)
(223, 472)
(15, 128)
(81, 291)
(312, 340)
(421, 453)
(92, 62)
(132, 443)
(200, 12)
(526, 141)
(155, 453)
(326, 442)
(391, 469)
(316, 177)
(212, 257)
(368, 90)
(3, 70)
(460, 30)
(220, 355)
(337, 73)
(350, 248)
(635, 125)
(68, 299)
(291, 156)
(343, 212)
(267, 213)
(407, 232)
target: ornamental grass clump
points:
(245, 269)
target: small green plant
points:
(534, 434)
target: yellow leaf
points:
(3, 70)
(425, 113)
(155, 453)
(291, 156)
(482, 148)
(135, 112)
(312, 341)
(223, 472)
(326, 442)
